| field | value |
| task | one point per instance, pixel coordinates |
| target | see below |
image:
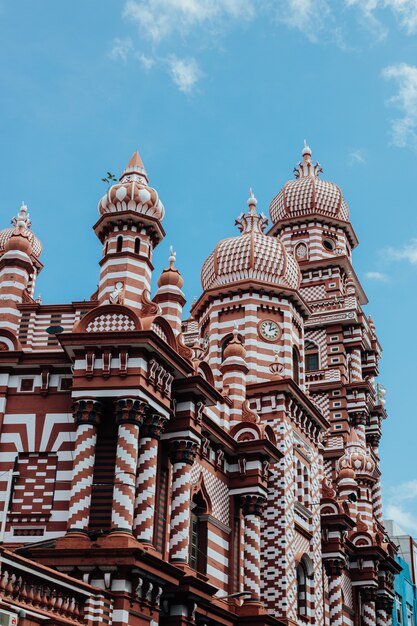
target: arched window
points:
(311, 356)
(106, 248)
(301, 589)
(198, 533)
(119, 244)
(295, 365)
(306, 481)
(137, 245)
(305, 587)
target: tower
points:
(129, 228)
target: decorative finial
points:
(276, 368)
(172, 256)
(235, 330)
(306, 149)
(252, 201)
(22, 219)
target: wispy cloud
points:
(158, 19)
(185, 73)
(357, 157)
(399, 497)
(408, 252)
(146, 62)
(404, 128)
(311, 17)
(377, 276)
(121, 48)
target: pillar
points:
(368, 607)
(151, 430)
(182, 454)
(252, 507)
(87, 415)
(129, 413)
(334, 570)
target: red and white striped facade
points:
(222, 469)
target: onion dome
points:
(308, 195)
(357, 458)
(132, 193)
(250, 255)
(23, 238)
(235, 348)
(171, 277)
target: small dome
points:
(308, 195)
(170, 276)
(132, 193)
(250, 255)
(21, 226)
(235, 348)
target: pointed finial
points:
(252, 201)
(172, 256)
(134, 169)
(235, 330)
(306, 149)
(22, 218)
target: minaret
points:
(18, 268)
(235, 370)
(129, 229)
(169, 295)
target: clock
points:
(269, 330)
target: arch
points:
(199, 489)
(304, 576)
(246, 431)
(137, 245)
(167, 334)
(109, 318)
(270, 435)
(8, 341)
(301, 251)
(206, 372)
(119, 243)
(200, 508)
(295, 365)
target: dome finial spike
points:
(306, 150)
(172, 256)
(252, 201)
(21, 220)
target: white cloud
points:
(184, 72)
(404, 128)
(308, 16)
(357, 157)
(121, 48)
(157, 19)
(406, 13)
(395, 509)
(377, 276)
(408, 252)
(403, 518)
(146, 62)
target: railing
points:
(36, 594)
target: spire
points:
(134, 170)
(306, 167)
(251, 221)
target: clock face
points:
(269, 330)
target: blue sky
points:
(218, 96)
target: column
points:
(334, 570)
(368, 607)
(87, 415)
(182, 454)
(151, 430)
(252, 507)
(384, 607)
(129, 413)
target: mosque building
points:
(215, 470)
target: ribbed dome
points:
(250, 255)
(23, 222)
(308, 195)
(132, 193)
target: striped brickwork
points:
(13, 282)
(252, 507)
(87, 414)
(368, 612)
(129, 415)
(151, 429)
(312, 248)
(182, 453)
(121, 264)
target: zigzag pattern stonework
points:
(163, 471)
